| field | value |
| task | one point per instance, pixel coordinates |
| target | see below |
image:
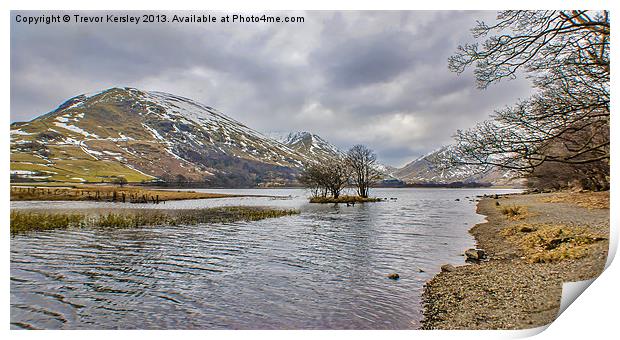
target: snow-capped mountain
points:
(310, 145)
(145, 135)
(433, 168)
(386, 170)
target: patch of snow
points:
(70, 141)
(22, 172)
(92, 152)
(76, 104)
(75, 129)
(153, 132)
(20, 132)
(174, 155)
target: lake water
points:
(325, 268)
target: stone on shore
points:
(448, 268)
(475, 254)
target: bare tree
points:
(566, 56)
(312, 179)
(329, 177)
(362, 162)
(537, 42)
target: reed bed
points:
(26, 221)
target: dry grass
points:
(587, 199)
(542, 243)
(105, 193)
(344, 199)
(24, 221)
(515, 212)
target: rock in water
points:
(448, 268)
(475, 254)
(393, 276)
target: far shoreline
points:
(112, 193)
(107, 192)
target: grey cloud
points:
(366, 60)
(378, 78)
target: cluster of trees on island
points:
(560, 135)
(357, 168)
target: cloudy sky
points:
(376, 78)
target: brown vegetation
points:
(543, 243)
(589, 199)
(515, 212)
(130, 194)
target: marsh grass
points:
(27, 221)
(38, 221)
(344, 199)
(543, 243)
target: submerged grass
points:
(22, 221)
(543, 243)
(344, 199)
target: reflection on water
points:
(322, 269)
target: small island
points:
(357, 169)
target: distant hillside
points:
(430, 169)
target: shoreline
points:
(519, 284)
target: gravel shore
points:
(517, 287)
